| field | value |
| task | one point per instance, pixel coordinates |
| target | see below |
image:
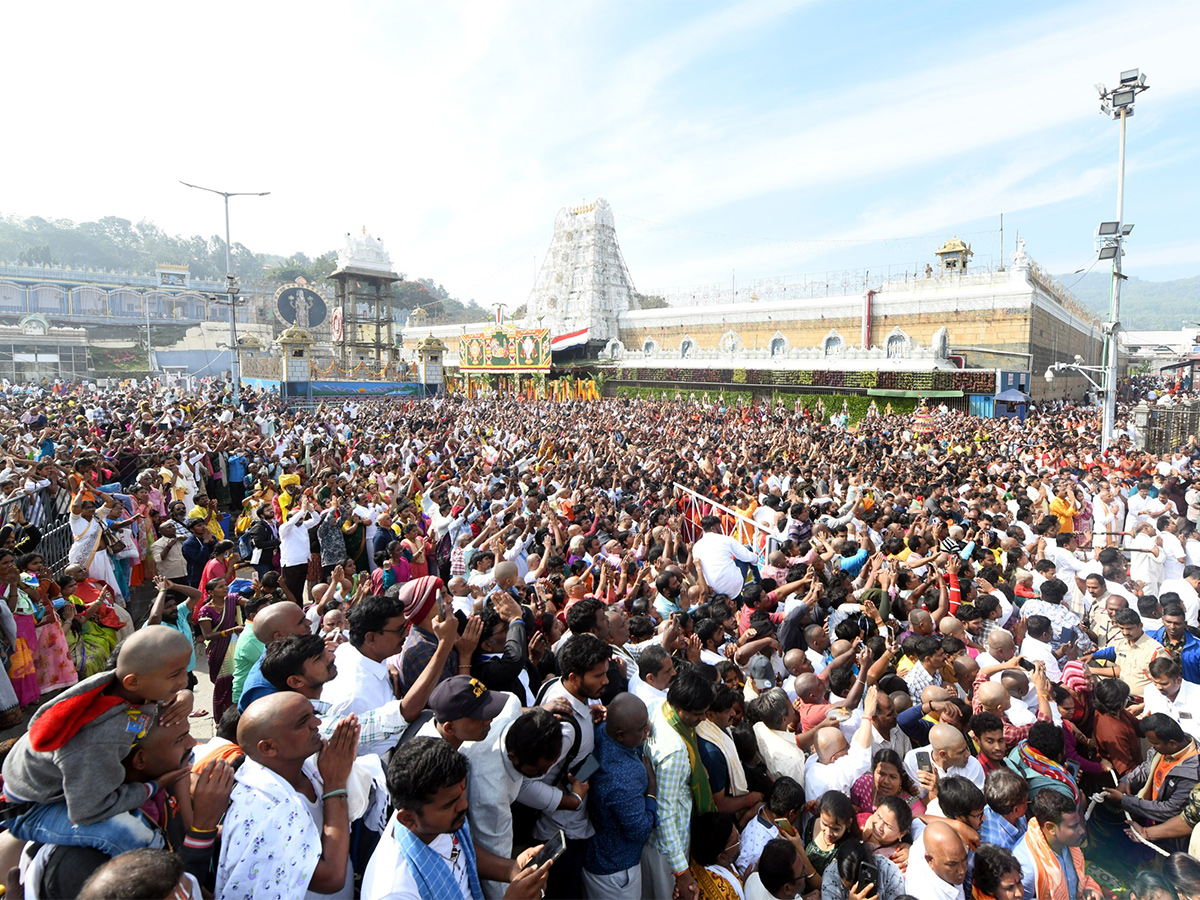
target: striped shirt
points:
(673, 774)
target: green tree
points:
(37, 256)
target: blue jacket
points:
(1189, 658)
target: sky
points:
(734, 141)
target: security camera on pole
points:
(1118, 104)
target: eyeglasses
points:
(391, 631)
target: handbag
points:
(110, 541)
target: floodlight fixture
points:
(1108, 251)
(1108, 228)
(1126, 229)
(1124, 97)
(1106, 108)
(1129, 76)
(1101, 89)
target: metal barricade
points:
(48, 512)
(759, 539)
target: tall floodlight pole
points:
(1117, 104)
(231, 285)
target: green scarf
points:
(702, 795)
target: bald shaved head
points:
(793, 661)
(945, 737)
(950, 747)
(965, 670)
(152, 663)
(279, 620)
(276, 726)
(831, 745)
(506, 574)
(945, 853)
(809, 687)
(627, 720)
(934, 693)
(1016, 683)
(147, 647)
(993, 697)
(950, 625)
(999, 638)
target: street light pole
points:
(231, 287)
(1118, 104)
(1112, 344)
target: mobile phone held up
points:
(868, 873)
(924, 762)
(551, 850)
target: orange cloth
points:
(1051, 882)
(1167, 763)
(231, 753)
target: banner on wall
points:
(506, 349)
(366, 388)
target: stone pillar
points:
(1141, 424)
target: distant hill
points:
(116, 243)
(1145, 305)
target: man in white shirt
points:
(1143, 509)
(837, 765)
(427, 849)
(776, 745)
(950, 755)
(294, 548)
(288, 827)
(362, 682)
(1037, 648)
(655, 672)
(885, 733)
(1173, 564)
(1169, 694)
(937, 864)
(1066, 564)
(1107, 516)
(519, 746)
(168, 552)
(719, 556)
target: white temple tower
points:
(583, 282)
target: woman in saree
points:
(143, 567)
(90, 643)
(177, 482)
(10, 708)
(82, 476)
(220, 624)
(354, 533)
(392, 568)
(87, 533)
(222, 565)
(20, 600)
(886, 778)
(417, 550)
(52, 655)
